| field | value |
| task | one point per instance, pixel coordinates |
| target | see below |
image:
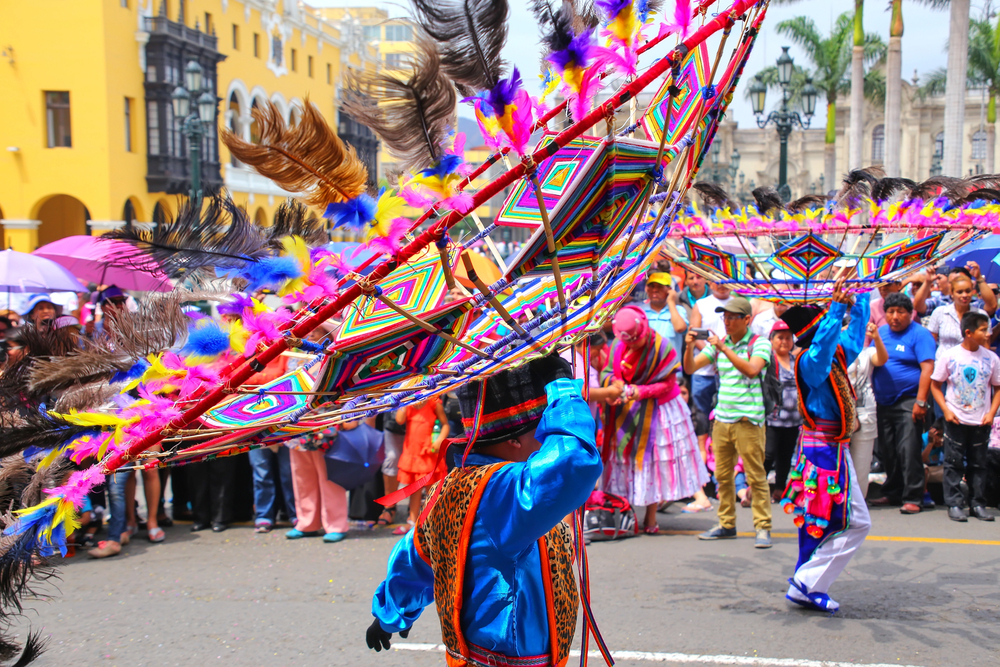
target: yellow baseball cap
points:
(660, 279)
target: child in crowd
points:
(932, 457)
(420, 449)
(701, 503)
(970, 405)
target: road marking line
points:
(645, 656)
(871, 538)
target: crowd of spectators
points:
(926, 429)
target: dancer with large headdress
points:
(491, 548)
(830, 513)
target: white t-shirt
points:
(712, 321)
(969, 376)
(860, 373)
(947, 325)
(763, 322)
(592, 377)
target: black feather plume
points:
(293, 219)
(983, 194)
(713, 196)
(806, 203)
(885, 188)
(768, 200)
(938, 186)
(34, 428)
(470, 36)
(221, 235)
(413, 115)
(857, 185)
(33, 648)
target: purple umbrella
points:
(21, 272)
(90, 258)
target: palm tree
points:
(831, 58)
(983, 72)
(894, 92)
(954, 96)
(857, 88)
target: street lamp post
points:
(783, 119)
(194, 122)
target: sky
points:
(925, 34)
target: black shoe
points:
(218, 527)
(719, 533)
(197, 525)
(957, 514)
(980, 513)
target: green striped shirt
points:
(740, 396)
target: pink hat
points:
(779, 325)
(630, 324)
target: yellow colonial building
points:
(88, 137)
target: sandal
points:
(387, 516)
(263, 528)
(156, 535)
(404, 529)
(651, 530)
(105, 548)
(692, 508)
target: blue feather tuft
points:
(355, 213)
(134, 373)
(272, 272)
(208, 340)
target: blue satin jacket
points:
(504, 609)
(817, 359)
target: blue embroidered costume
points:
(832, 518)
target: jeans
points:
(115, 484)
(899, 448)
(965, 455)
(779, 449)
(704, 388)
(270, 470)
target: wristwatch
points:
(923, 404)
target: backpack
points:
(770, 383)
(608, 517)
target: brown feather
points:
(85, 397)
(413, 115)
(309, 158)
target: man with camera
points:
(740, 360)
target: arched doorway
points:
(132, 211)
(294, 116)
(61, 216)
(254, 125)
(161, 213)
(260, 218)
(234, 123)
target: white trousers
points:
(819, 572)
(862, 447)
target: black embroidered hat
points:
(803, 321)
(513, 400)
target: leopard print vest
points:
(442, 540)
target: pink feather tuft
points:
(80, 483)
(682, 19)
(521, 122)
(389, 244)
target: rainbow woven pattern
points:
(555, 174)
(692, 80)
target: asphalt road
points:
(922, 591)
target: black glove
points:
(378, 638)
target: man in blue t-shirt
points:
(901, 389)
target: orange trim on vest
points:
(839, 360)
(550, 610)
(463, 552)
